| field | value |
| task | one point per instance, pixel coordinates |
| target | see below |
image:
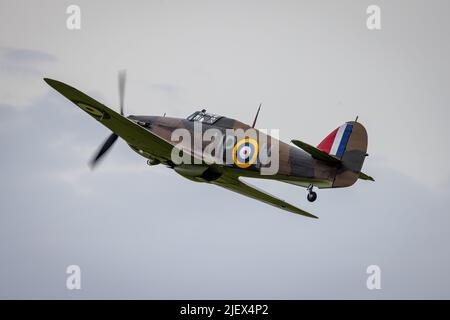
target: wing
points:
(236, 185)
(131, 132)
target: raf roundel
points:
(245, 153)
(93, 111)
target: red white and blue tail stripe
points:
(336, 142)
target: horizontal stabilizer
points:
(364, 176)
(316, 153)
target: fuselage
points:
(294, 165)
(210, 148)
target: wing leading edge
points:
(236, 185)
(131, 132)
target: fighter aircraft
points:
(335, 163)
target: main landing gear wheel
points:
(312, 196)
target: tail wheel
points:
(312, 196)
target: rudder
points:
(349, 144)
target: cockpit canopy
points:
(204, 117)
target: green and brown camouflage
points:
(295, 165)
(299, 164)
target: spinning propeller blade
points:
(122, 80)
(113, 137)
(105, 147)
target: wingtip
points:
(309, 215)
(305, 213)
(50, 82)
(297, 143)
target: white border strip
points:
(337, 140)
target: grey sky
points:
(313, 64)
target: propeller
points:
(113, 137)
(122, 80)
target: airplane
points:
(335, 163)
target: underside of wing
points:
(128, 130)
(236, 185)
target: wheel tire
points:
(312, 196)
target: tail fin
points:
(349, 144)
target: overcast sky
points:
(140, 232)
